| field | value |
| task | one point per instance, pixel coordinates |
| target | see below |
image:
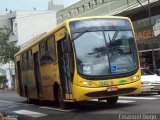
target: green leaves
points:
(7, 50)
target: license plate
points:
(111, 89)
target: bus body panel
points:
(80, 93)
(108, 82)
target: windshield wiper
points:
(112, 42)
(80, 34)
(115, 35)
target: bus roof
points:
(63, 24)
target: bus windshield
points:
(105, 51)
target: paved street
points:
(145, 105)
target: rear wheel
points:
(112, 100)
(158, 92)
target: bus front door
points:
(64, 71)
(21, 91)
(37, 75)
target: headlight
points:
(87, 84)
(135, 78)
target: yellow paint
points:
(104, 83)
(67, 96)
(18, 58)
(84, 90)
(35, 49)
(60, 34)
(81, 89)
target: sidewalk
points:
(8, 90)
(7, 117)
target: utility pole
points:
(152, 44)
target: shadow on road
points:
(95, 106)
(88, 106)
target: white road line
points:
(56, 109)
(119, 101)
(125, 101)
(30, 113)
(138, 98)
(156, 95)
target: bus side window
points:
(51, 53)
(43, 49)
(24, 61)
(22, 65)
(27, 61)
(30, 60)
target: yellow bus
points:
(81, 59)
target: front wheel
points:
(112, 100)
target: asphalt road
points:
(143, 107)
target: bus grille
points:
(107, 94)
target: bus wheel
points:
(112, 100)
(158, 92)
(60, 98)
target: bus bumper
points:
(84, 93)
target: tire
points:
(158, 92)
(60, 99)
(112, 100)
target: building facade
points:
(55, 5)
(26, 26)
(99, 7)
(144, 14)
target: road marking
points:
(30, 113)
(156, 95)
(56, 109)
(138, 98)
(119, 101)
(15, 102)
(125, 101)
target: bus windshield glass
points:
(106, 49)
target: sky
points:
(29, 4)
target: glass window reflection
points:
(97, 51)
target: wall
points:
(29, 24)
(98, 7)
(4, 21)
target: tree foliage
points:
(7, 50)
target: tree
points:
(7, 50)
